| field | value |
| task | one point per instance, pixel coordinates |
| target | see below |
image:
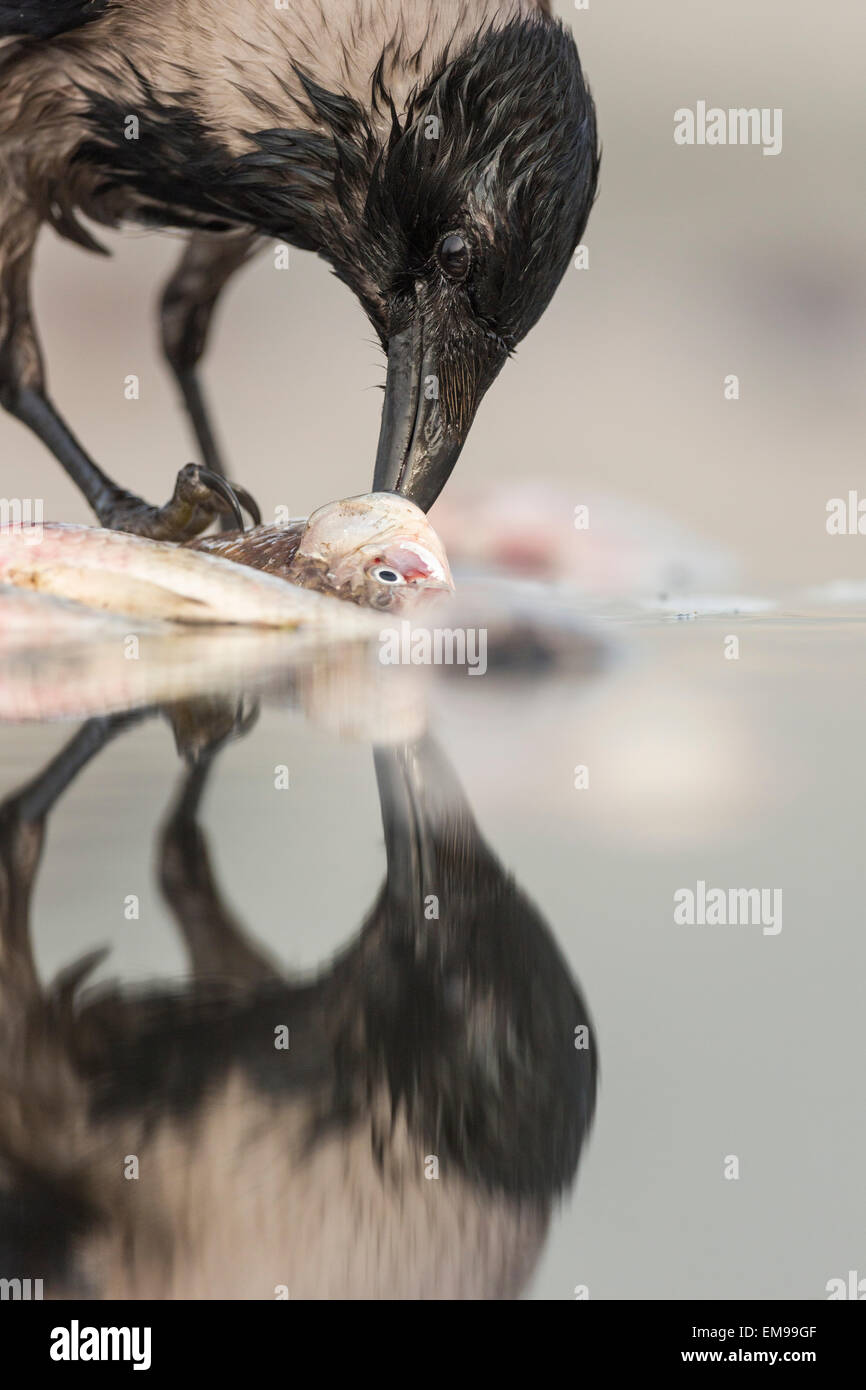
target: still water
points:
(349, 981)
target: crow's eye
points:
(387, 576)
(453, 256)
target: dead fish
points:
(121, 573)
(377, 550)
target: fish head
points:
(378, 550)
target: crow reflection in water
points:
(262, 1167)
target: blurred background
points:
(703, 261)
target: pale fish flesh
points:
(120, 573)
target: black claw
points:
(247, 500)
(225, 489)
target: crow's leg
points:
(188, 301)
(216, 943)
(199, 494)
(23, 817)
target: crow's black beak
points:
(407, 842)
(423, 806)
(416, 451)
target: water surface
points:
(258, 814)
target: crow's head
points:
(452, 219)
(458, 227)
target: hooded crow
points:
(442, 158)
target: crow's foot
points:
(200, 496)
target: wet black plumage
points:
(40, 20)
(516, 151)
(484, 134)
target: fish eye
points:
(453, 256)
(387, 576)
